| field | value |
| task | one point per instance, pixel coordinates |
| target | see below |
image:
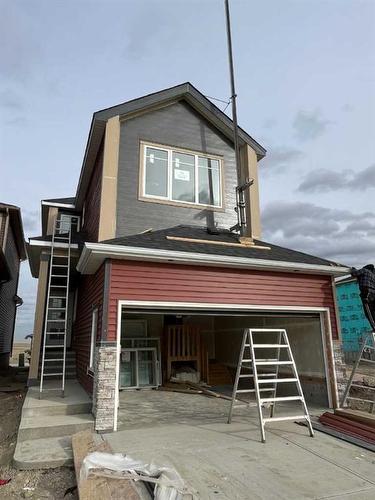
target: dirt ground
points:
(34, 484)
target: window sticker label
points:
(182, 175)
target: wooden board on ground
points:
(99, 488)
(357, 415)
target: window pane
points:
(183, 182)
(209, 189)
(156, 175)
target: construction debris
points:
(193, 388)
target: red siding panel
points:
(179, 283)
(90, 294)
(92, 200)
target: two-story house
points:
(157, 279)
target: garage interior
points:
(204, 346)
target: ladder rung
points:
(53, 359)
(51, 374)
(282, 398)
(58, 286)
(263, 363)
(60, 265)
(245, 405)
(267, 375)
(247, 361)
(57, 297)
(57, 308)
(361, 399)
(277, 380)
(55, 320)
(246, 376)
(56, 333)
(59, 276)
(368, 360)
(53, 346)
(262, 346)
(363, 387)
(279, 419)
(244, 391)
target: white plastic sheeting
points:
(168, 483)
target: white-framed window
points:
(181, 176)
(94, 331)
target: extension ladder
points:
(267, 382)
(56, 314)
(367, 349)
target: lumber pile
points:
(349, 430)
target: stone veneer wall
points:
(104, 389)
(340, 367)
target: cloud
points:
(335, 234)
(280, 158)
(324, 180)
(30, 220)
(8, 99)
(309, 125)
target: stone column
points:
(340, 367)
(104, 390)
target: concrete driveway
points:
(221, 461)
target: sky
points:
(305, 78)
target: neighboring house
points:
(354, 324)
(12, 252)
(157, 279)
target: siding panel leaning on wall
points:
(163, 282)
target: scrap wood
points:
(99, 488)
(170, 388)
(203, 389)
(357, 415)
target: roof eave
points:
(94, 254)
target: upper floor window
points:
(181, 176)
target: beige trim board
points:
(52, 216)
(39, 316)
(108, 198)
(250, 171)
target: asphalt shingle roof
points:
(158, 240)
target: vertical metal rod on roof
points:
(240, 190)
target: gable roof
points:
(185, 91)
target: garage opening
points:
(204, 346)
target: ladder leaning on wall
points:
(366, 355)
(267, 382)
(56, 312)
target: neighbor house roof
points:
(185, 91)
(191, 244)
(15, 220)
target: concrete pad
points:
(54, 425)
(75, 400)
(45, 454)
(225, 461)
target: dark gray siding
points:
(180, 126)
(7, 292)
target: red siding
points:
(92, 200)
(90, 293)
(179, 283)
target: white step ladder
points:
(56, 312)
(367, 356)
(267, 382)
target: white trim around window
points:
(94, 331)
(183, 168)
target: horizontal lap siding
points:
(179, 283)
(90, 294)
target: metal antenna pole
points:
(240, 190)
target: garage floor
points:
(222, 461)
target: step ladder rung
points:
(244, 375)
(244, 391)
(247, 361)
(56, 333)
(47, 360)
(369, 387)
(60, 265)
(361, 399)
(57, 309)
(264, 363)
(277, 380)
(53, 346)
(52, 374)
(57, 286)
(287, 417)
(267, 375)
(281, 398)
(265, 346)
(55, 320)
